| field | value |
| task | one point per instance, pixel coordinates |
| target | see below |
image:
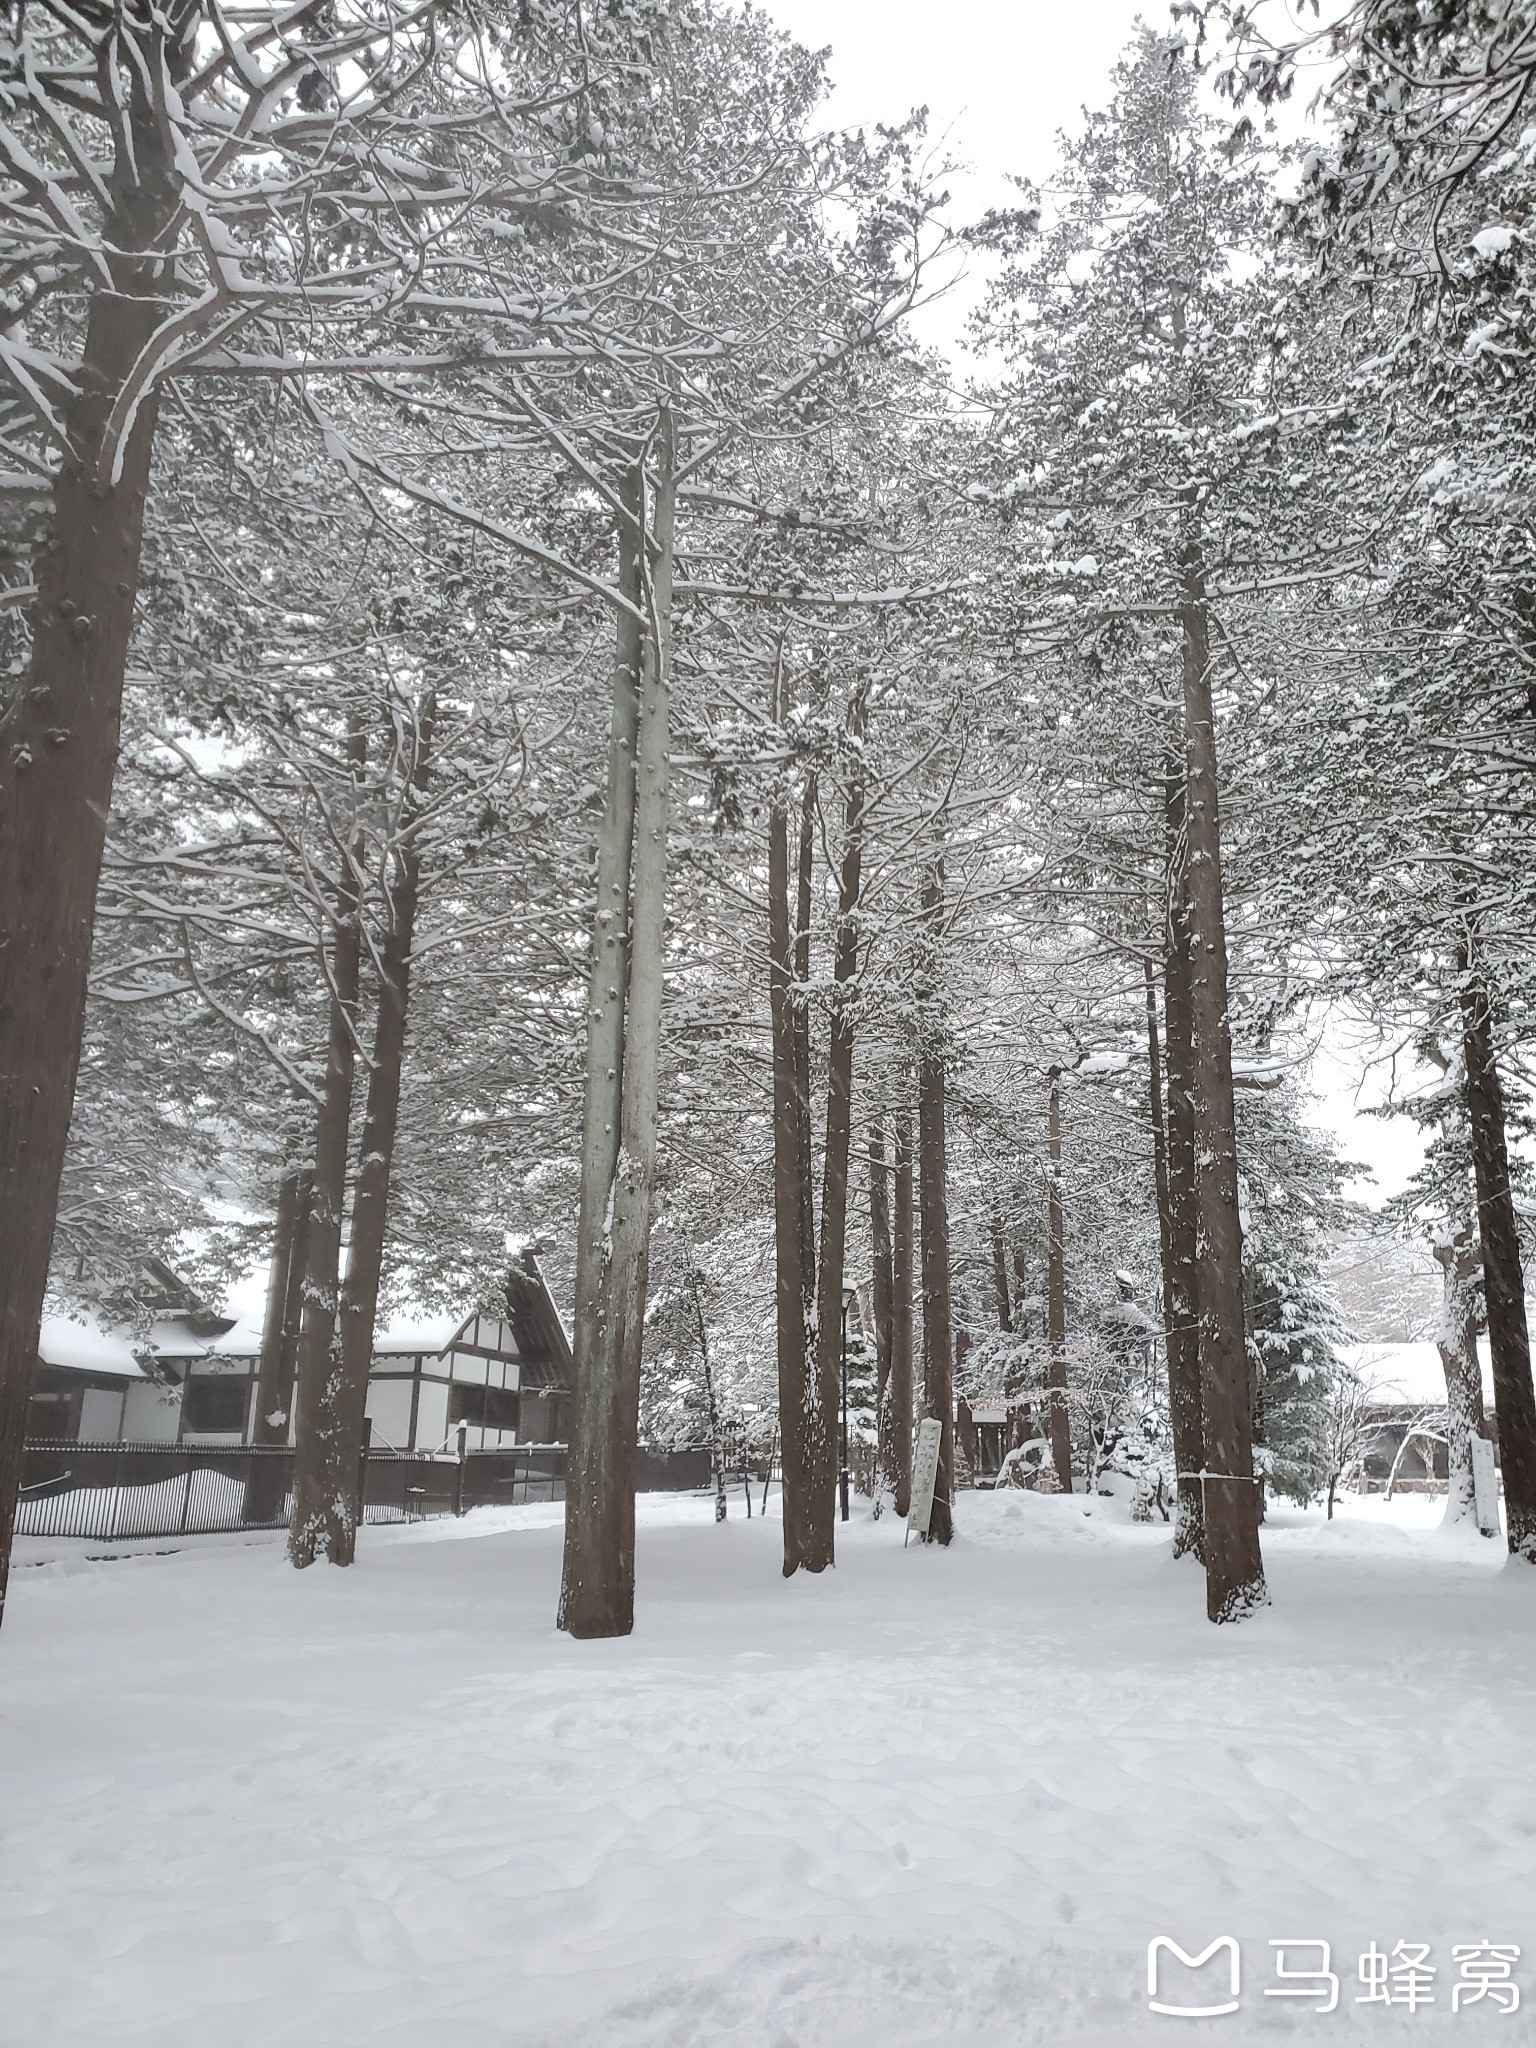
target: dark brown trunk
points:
(268, 1484)
(712, 1405)
(1000, 1273)
(834, 1184)
(933, 1203)
(370, 1195)
(883, 1291)
(58, 761)
(1509, 1344)
(1234, 1565)
(901, 1320)
(967, 1435)
(316, 1455)
(794, 1356)
(1181, 1310)
(1059, 1420)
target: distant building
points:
(191, 1378)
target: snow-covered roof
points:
(408, 1334)
(79, 1344)
(241, 1340)
(404, 1336)
(1408, 1372)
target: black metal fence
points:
(122, 1491)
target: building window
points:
(482, 1407)
(216, 1406)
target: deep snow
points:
(931, 1797)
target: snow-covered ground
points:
(931, 1798)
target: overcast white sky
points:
(999, 81)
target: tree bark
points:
(1181, 1298)
(316, 1470)
(1000, 1273)
(348, 1398)
(597, 1593)
(883, 1290)
(1509, 1345)
(1059, 1421)
(712, 1407)
(901, 1320)
(268, 1484)
(1234, 1565)
(1456, 1342)
(823, 1461)
(933, 1199)
(59, 741)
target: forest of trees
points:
(533, 709)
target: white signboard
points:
(925, 1470)
(1485, 1484)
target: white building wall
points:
(101, 1415)
(389, 1410)
(431, 1416)
(151, 1414)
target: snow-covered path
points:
(931, 1798)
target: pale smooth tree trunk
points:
(1059, 1421)
(1456, 1341)
(590, 1517)
(597, 1592)
(901, 1319)
(59, 742)
(1509, 1344)
(1234, 1565)
(883, 1297)
(933, 1202)
(316, 1476)
(823, 1463)
(370, 1196)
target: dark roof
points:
(536, 1322)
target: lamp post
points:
(849, 1294)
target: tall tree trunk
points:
(901, 1320)
(58, 760)
(933, 1200)
(712, 1405)
(1456, 1342)
(883, 1291)
(1000, 1273)
(587, 1518)
(789, 962)
(1509, 1344)
(794, 1352)
(834, 1197)
(1234, 1565)
(1059, 1421)
(370, 1195)
(597, 1593)
(315, 1455)
(268, 1484)
(1181, 1297)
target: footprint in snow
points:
(903, 1855)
